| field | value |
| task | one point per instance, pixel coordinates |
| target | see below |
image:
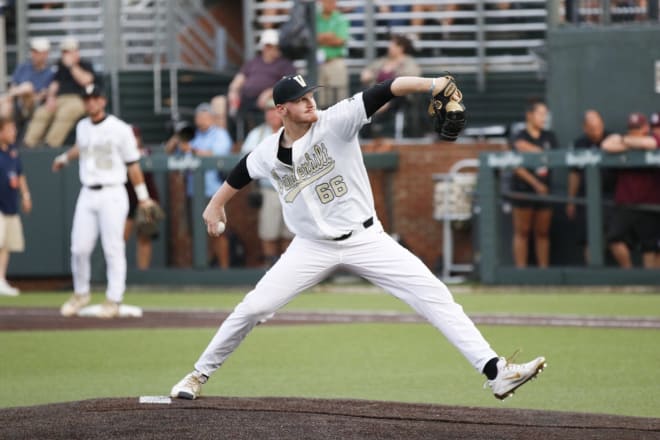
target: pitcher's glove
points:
(448, 114)
(147, 219)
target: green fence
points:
(492, 268)
(47, 229)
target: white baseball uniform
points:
(328, 203)
(105, 149)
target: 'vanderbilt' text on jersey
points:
(326, 192)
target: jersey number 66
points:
(327, 192)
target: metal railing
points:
(460, 35)
(158, 35)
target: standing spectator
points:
(634, 186)
(593, 134)
(29, 82)
(209, 140)
(12, 179)
(397, 62)
(107, 151)
(532, 216)
(64, 106)
(273, 233)
(143, 251)
(252, 85)
(331, 37)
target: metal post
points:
(489, 229)
(198, 229)
(607, 13)
(369, 31)
(173, 60)
(157, 69)
(594, 216)
(552, 8)
(3, 49)
(21, 31)
(652, 10)
(111, 48)
(481, 46)
(248, 31)
(312, 66)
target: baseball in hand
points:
(220, 227)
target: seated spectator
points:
(53, 120)
(331, 38)
(209, 140)
(531, 216)
(12, 180)
(252, 85)
(29, 83)
(593, 134)
(631, 226)
(143, 242)
(273, 233)
(397, 62)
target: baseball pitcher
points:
(316, 164)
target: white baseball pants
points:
(371, 254)
(101, 211)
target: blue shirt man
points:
(210, 140)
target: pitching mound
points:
(280, 418)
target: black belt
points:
(95, 187)
(366, 224)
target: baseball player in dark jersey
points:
(316, 164)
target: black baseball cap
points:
(290, 88)
(93, 90)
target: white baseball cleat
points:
(108, 310)
(74, 304)
(7, 290)
(190, 387)
(512, 376)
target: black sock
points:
(490, 370)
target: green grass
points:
(565, 302)
(590, 370)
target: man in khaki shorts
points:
(55, 118)
(12, 180)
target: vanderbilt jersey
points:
(105, 148)
(325, 193)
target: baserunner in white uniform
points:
(107, 149)
(316, 164)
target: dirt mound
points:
(281, 418)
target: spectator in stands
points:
(593, 134)
(273, 233)
(209, 140)
(143, 242)
(332, 38)
(29, 83)
(64, 106)
(630, 225)
(397, 62)
(12, 180)
(532, 216)
(252, 85)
